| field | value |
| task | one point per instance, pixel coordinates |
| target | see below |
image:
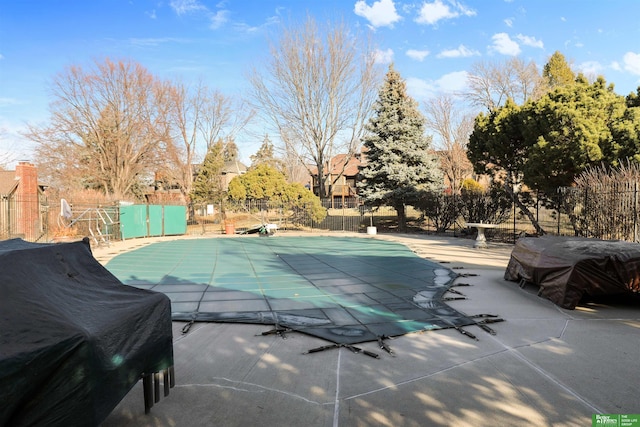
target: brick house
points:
(22, 203)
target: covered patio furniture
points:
(567, 268)
(73, 339)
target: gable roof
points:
(8, 182)
(350, 169)
(234, 166)
(338, 161)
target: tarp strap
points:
(463, 332)
(277, 330)
(347, 346)
(383, 345)
(187, 327)
(487, 318)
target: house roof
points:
(352, 167)
(8, 182)
(338, 161)
(234, 166)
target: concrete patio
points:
(545, 365)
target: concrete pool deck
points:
(545, 366)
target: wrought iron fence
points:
(23, 216)
(607, 212)
(601, 212)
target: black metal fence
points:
(605, 211)
(609, 213)
(23, 216)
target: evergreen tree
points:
(399, 164)
(633, 99)
(557, 71)
(548, 142)
(207, 187)
(260, 183)
(497, 146)
(230, 151)
(266, 155)
(574, 127)
(264, 182)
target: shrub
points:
(442, 209)
(492, 206)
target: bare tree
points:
(294, 168)
(452, 129)
(108, 125)
(6, 157)
(222, 117)
(491, 83)
(317, 89)
(199, 117)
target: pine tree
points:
(230, 151)
(557, 72)
(266, 155)
(399, 164)
(207, 187)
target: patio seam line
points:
(548, 376)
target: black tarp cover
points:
(566, 268)
(73, 339)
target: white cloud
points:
(431, 13)
(419, 88)
(242, 27)
(453, 82)
(615, 65)
(503, 44)
(530, 41)
(383, 56)
(381, 13)
(449, 83)
(632, 62)
(182, 7)
(155, 41)
(219, 19)
(460, 52)
(590, 68)
(418, 55)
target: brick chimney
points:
(27, 200)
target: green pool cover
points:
(344, 290)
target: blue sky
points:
(433, 43)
